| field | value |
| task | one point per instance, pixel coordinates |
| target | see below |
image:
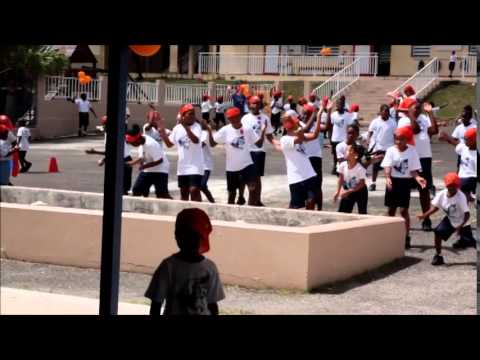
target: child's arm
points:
(93, 112)
(155, 308)
(428, 213)
(449, 139)
(359, 186)
(465, 220)
(165, 138)
(314, 135)
(388, 176)
(339, 187)
(420, 180)
(213, 309)
(151, 164)
(134, 162)
(260, 141)
(190, 134)
(210, 134)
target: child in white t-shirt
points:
(351, 187)
(190, 165)
(206, 107)
(468, 163)
(208, 159)
(23, 138)
(401, 164)
(302, 178)
(220, 108)
(457, 215)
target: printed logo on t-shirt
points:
(301, 149)
(350, 184)
(401, 166)
(193, 296)
(238, 143)
(467, 160)
(184, 142)
(452, 208)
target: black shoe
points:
(29, 165)
(407, 243)
(241, 201)
(260, 204)
(427, 225)
(438, 260)
(372, 187)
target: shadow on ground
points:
(368, 277)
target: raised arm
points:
(432, 130)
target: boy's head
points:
(409, 91)
(353, 132)
(309, 109)
(384, 112)
(187, 112)
(467, 114)
(302, 101)
(277, 94)
(192, 231)
(220, 99)
(205, 98)
(355, 151)
(290, 123)
(312, 97)
(21, 123)
(452, 182)
(235, 117)
(414, 110)
(403, 136)
(290, 99)
(83, 96)
(254, 104)
(471, 138)
(340, 104)
(134, 136)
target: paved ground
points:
(410, 286)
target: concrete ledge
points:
(259, 255)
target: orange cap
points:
(471, 133)
(452, 179)
(407, 132)
(232, 112)
(290, 122)
(186, 108)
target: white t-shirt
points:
(153, 133)
(422, 139)
(299, 167)
(340, 123)
(207, 151)
(313, 147)
(153, 151)
(206, 106)
(24, 132)
(402, 163)
(276, 106)
(454, 207)
(453, 58)
(468, 161)
(190, 155)
(341, 150)
(287, 107)
(6, 146)
(126, 147)
(220, 108)
(83, 106)
(383, 133)
(352, 176)
(459, 131)
(237, 146)
(256, 122)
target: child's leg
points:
(141, 186)
(252, 193)
(231, 197)
(438, 245)
(391, 211)
(241, 194)
(21, 159)
(204, 186)
(184, 193)
(127, 179)
(347, 204)
(362, 201)
(195, 184)
(406, 216)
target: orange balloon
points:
(83, 80)
(326, 51)
(81, 74)
(145, 50)
(88, 78)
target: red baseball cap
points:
(471, 133)
(407, 133)
(253, 99)
(452, 179)
(277, 94)
(409, 88)
(132, 139)
(290, 122)
(354, 108)
(5, 120)
(205, 97)
(197, 220)
(406, 103)
(232, 112)
(302, 100)
(312, 97)
(186, 108)
(290, 97)
(309, 109)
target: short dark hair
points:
(135, 130)
(21, 122)
(355, 127)
(359, 150)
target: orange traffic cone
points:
(53, 167)
(16, 164)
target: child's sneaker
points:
(438, 260)
(372, 187)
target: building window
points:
(472, 49)
(315, 49)
(419, 51)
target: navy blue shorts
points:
(146, 179)
(237, 178)
(317, 166)
(445, 229)
(258, 158)
(188, 181)
(206, 176)
(399, 196)
(302, 191)
(469, 185)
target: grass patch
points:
(294, 88)
(456, 94)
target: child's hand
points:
(421, 216)
(101, 162)
(443, 136)
(389, 184)
(458, 229)
(335, 197)
(345, 193)
(422, 182)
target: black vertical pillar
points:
(113, 184)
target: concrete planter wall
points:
(254, 247)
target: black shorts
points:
(317, 166)
(469, 185)
(237, 178)
(188, 181)
(302, 191)
(445, 229)
(219, 117)
(206, 116)
(426, 173)
(83, 119)
(275, 119)
(377, 166)
(451, 66)
(146, 179)
(359, 197)
(399, 196)
(258, 158)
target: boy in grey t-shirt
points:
(187, 282)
